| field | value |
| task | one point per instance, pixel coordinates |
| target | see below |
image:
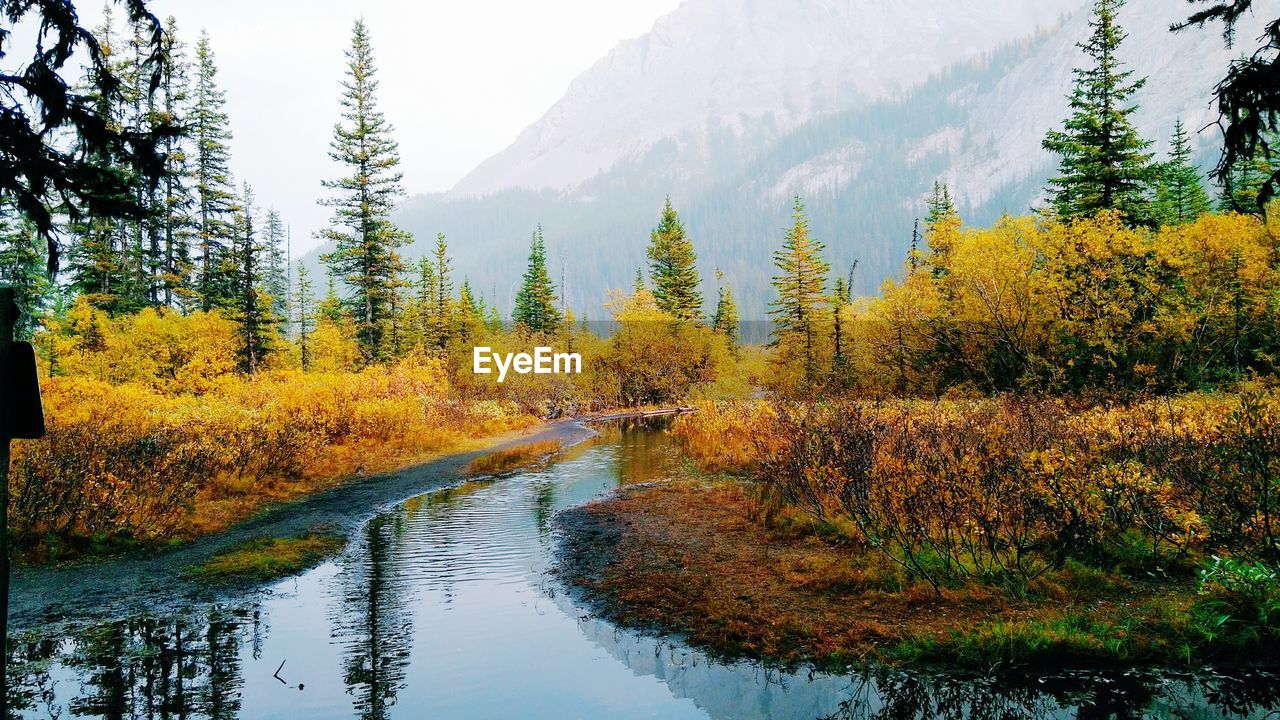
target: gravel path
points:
(154, 580)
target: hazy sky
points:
(459, 80)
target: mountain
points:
(732, 106)
(744, 66)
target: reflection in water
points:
(179, 667)
(372, 623)
(441, 608)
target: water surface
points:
(442, 608)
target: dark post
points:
(8, 317)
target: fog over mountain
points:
(735, 65)
(732, 106)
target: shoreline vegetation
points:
(129, 465)
(1051, 440)
(994, 533)
(265, 559)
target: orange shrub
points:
(125, 461)
(1011, 487)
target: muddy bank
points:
(691, 558)
(157, 579)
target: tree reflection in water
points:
(185, 666)
(375, 626)
(897, 695)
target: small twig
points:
(276, 674)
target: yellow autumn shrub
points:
(126, 461)
(1013, 486)
(1039, 304)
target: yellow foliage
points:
(166, 351)
(126, 461)
(1014, 486)
(656, 358)
(1037, 303)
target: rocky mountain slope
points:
(732, 106)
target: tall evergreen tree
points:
(940, 205)
(535, 308)
(839, 301)
(1180, 195)
(176, 223)
(469, 321)
(801, 285)
(1103, 163)
(726, 318)
(251, 309)
(275, 273)
(1244, 182)
(441, 296)
(304, 315)
(673, 267)
(913, 250)
(426, 286)
(215, 195)
(23, 267)
(145, 256)
(100, 259)
(365, 240)
(94, 264)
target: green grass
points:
(268, 558)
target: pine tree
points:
(251, 309)
(176, 223)
(673, 267)
(1103, 163)
(913, 251)
(146, 257)
(726, 318)
(438, 324)
(801, 284)
(1180, 196)
(331, 307)
(940, 205)
(469, 320)
(394, 339)
(304, 321)
(639, 283)
(493, 319)
(839, 301)
(93, 263)
(536, 300)
(364, 238)
(426, 287)
(214, 193)
(22, 267)
(1246, 178)
(275, 271)
(99, 258)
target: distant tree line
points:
(152, 217)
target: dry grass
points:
(522, 457)
(126, 464)
(689, 557)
